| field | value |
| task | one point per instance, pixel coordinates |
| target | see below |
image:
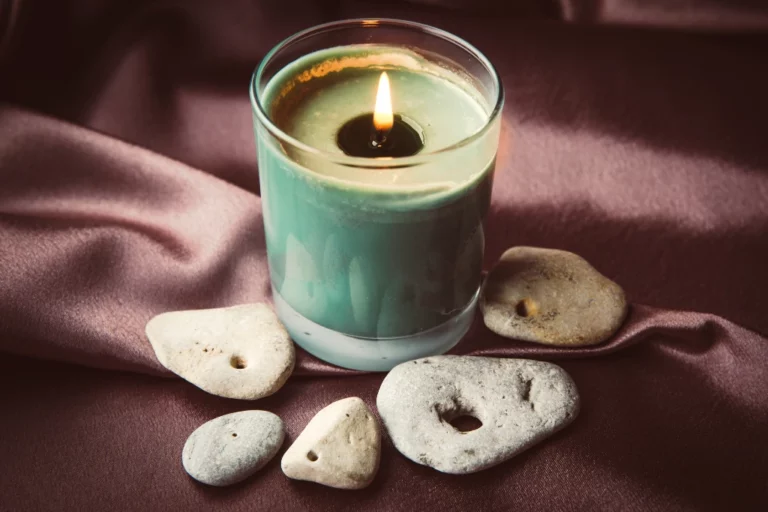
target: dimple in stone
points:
(238, 362)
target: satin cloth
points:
(129, 187)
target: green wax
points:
(374, 252)
(445, 113)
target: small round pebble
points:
(236, 352)
(426, 406)
(230, 448)
(551, 297)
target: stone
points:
(239, 352)
(551, 297)
(340, 447)
(423, 404)
(230, 448)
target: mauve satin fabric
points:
(129, 186)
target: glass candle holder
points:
(374, 228)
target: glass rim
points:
(388, 163)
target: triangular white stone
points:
(340, 447)
(237, 352)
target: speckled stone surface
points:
(340, 447)
(236, 352)
(519, 403)
(230, 448)
(551, 297)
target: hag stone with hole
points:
(231, 448)
(518, 402)
(237, 352)
(551, 297)
(340, 447)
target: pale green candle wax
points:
(365, 251)
(445, 113)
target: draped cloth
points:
(129, 187)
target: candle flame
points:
(383, 119)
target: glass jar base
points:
(372, 354)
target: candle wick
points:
(379, 137)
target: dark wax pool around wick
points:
(358, 138)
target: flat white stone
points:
(230, 448)
(340, 447)
(236, 352)
(551, 297)
(519, 403)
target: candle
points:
(382, 133)
(376, 164)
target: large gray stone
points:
(237, 352)
(551, 297)
(230, 448)
(519, 403)
(340, 447)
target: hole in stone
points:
(526, 308)
(238, 362)
(234, 435)
(526, 392)
(312, 456)
(465, 423)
